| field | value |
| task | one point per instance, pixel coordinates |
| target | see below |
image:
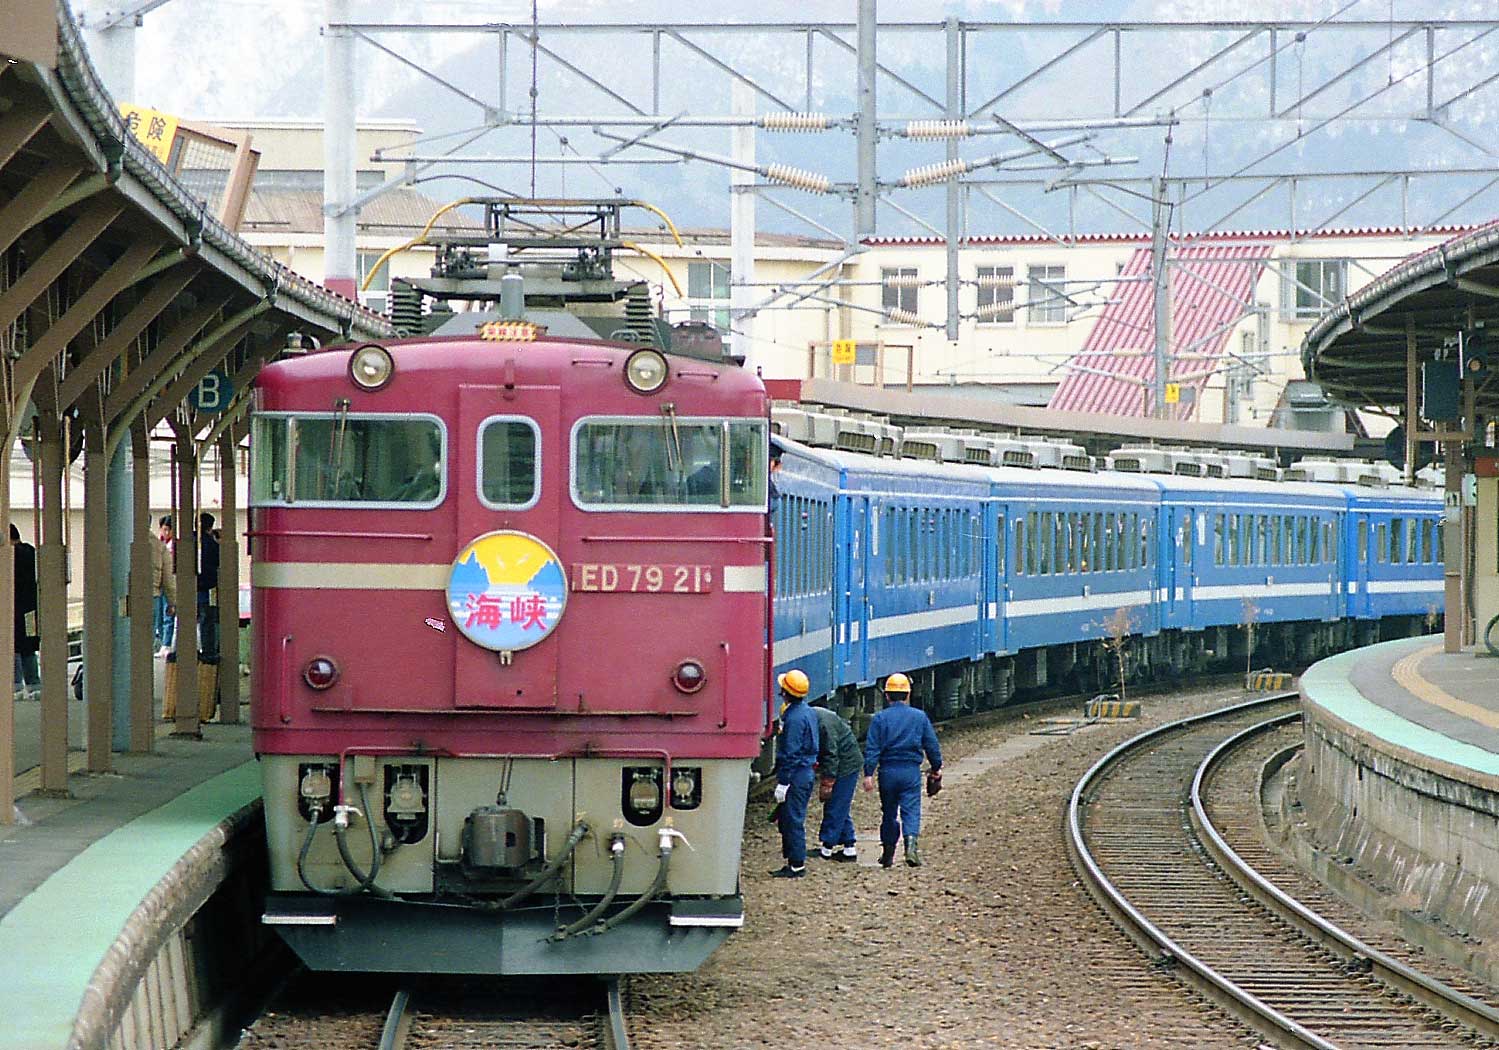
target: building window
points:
(1046, 294)
(708, 294)
(996, 300)
(377, 295)
(1313, 287)
(899, 289)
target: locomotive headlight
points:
(646, 371)
(371, 366)
(320, 673)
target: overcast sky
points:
(227, 59)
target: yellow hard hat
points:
(897, 683)
(794, 683)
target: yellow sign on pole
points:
(1173, 393)
(845, 351)
(153, 128)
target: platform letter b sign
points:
(212, 393)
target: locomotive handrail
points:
(678, 539)
(338, 534)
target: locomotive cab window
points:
(669, 464)
(348, 459)
(509, 463)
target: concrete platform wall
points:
(1400, 829)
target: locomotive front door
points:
(508, 595)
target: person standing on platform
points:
(28, 679)
(838, 765)
(796, 751)
(208, 585)
(164, 572)
(896, 740)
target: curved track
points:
(462, 1018)
(1140, 836)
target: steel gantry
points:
(1023, 114)
(119, 292)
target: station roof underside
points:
(1357, 351)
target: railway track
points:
(463, 1017)
(1145, 843)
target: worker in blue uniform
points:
(796, 752)
(838, 765)
(895, 742)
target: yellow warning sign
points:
(844, 351)
(153, 128)
(1173, 393)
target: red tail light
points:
(320, 672)
(689, 676)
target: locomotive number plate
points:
(610, 578)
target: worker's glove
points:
(934, 782)
(781, 792)
(825, 788)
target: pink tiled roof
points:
(1211, 286)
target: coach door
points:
(510, 609)
(856, 535)
(1179, 567)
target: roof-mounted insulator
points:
(802, 180)
(902, 317)
(794, 121)
(931, 174)
(938, 129)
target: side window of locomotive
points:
(509, 463)
(343, 459)
(669, 463)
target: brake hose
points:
(579, 832)
(617, 849)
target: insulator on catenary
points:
(901, 317)
(794, 121)
(989, 311)
(933, 173)
(899, 280)
(802, 180)
(994, 280)
(938, 129)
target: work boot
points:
(913, 854)
(788, 872)
(887, 854)
(847, 854)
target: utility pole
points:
(865, 132)
(954, 221)
(742, 227)
(1160, 220)
(340, 267)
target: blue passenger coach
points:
(978, 581)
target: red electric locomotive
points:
(511, 622)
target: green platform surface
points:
(52, 941)
(1328, 684)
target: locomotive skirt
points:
(793, 818)
(900, 802)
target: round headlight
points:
(646, 371)
(320, 673)
(371, 366)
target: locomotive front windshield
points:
(676, 463)
(343, 458)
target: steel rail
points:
(613, 1034)
(1152, 939)
(616, 1036)
(397, 1022)
(1440, 997)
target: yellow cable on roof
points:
(439, 213)
(659, 262)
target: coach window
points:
(1397, 529)
(347, 459)
(1059, 541)
(1379, 542)
(1363, 541)
(1410, 541)
(675, 464)
(1020, 547)
(509, 463)
(1047, 541)
(1032, 554)
(1426, 540)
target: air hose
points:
(579, 833)
(340, 829)
(1491, 637)
(659, 884)
(617, 849)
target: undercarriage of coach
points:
(513, 866)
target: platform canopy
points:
(1357, 351)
